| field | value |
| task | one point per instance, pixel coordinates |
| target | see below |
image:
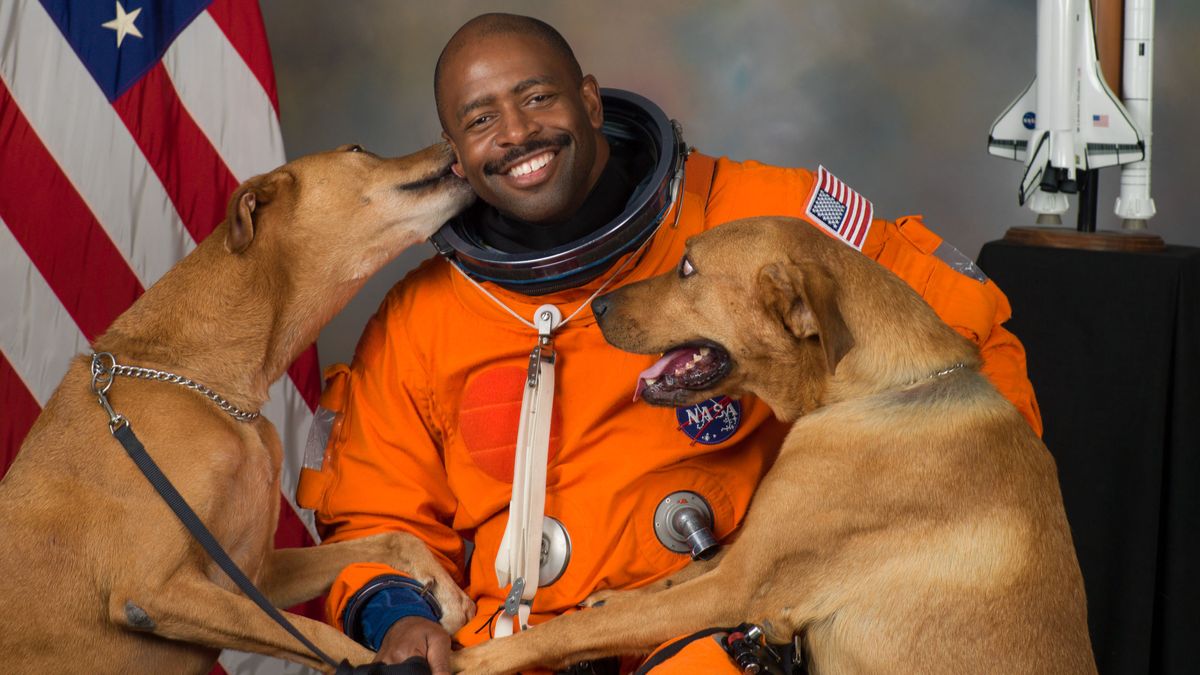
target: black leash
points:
(121, 429)
(137, 452)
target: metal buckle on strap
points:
(104, 366)
(512, 602)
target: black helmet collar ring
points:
(628, 118)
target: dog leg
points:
(192, 609)
(294, 575)
(624, 625)
(690, 571)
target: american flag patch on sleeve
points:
(839, 209)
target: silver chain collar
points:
(933, 376)
(103, 374)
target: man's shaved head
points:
(487, 25)
(523, 120)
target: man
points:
(428, 413)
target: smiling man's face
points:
(525, 129)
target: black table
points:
(1113, 342)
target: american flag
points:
(835, 207)
(1100, 120)
(124, 127)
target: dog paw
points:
(457, 607)
(469, 661)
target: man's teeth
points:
(531, 165)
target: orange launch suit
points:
(428, 410)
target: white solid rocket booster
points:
(1134, 204)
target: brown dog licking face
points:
(393, 203)
(141, 597)
(785, 319)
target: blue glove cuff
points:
(384, 601)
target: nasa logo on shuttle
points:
(1029, 120)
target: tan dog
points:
(99, 575)
(912, 522)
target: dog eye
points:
(355, 148)
(685, 268)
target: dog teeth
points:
(703, 352)
(650, 381)
(525, 168)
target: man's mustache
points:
(516, 152)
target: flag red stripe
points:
(291, 533)
(194, 176)
(852, 214)
(243, 26)
(305, 372)
(868, 212)
(189, 168)
(20, 411)
(848, 217)
(860, 210)
(71, 248)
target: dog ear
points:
(245, 205)
(241, 220)
(804, 297)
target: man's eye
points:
(482, 119)
(685, 268)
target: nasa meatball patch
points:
(710, 422)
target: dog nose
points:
(600, 306)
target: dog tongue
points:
(669, 361)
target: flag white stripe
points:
(852, 216)
(42, 71)
(241, 663)
(847, 220)
(868, 218)
(839, 193)
(42, 344)
(37, 336)
(94, 149)
(289, 412)
(225, 99)
(859, 208)
(126, 197)
(228, 103)
(859, 211)
(233, 111)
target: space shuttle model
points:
(1067, 120)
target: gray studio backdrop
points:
(896, 97)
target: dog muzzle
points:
(629, 120)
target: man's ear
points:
(804, 298)
(246, 205)
(589, 90)
(456, 167)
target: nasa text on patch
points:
(712, 421)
